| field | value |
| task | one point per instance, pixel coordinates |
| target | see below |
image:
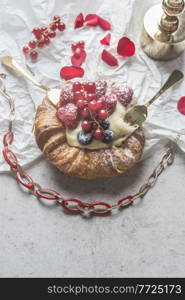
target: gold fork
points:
(10, 62)
(137, 115)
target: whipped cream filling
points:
(120, 128)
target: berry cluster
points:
(87, 102)
(43, 36)
(92, 104)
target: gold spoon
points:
(52, 93)
(138, 114)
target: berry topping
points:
(66, 96)
(89, 87)
(101, 87)
(111, 101)
(85, 113)
(76, 86)
(78, 95)
(92, 106)
(84, 138)
(68, 114)
(103, 114)
(81, 104)
(98, 134)
(108, 136)
(101, 103)
(105, 124)
(86, 125)
(90, 97)
(124, 94)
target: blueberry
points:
(108, 136)
(84, 138)
(105, 124)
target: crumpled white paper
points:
(145, 76)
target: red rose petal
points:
(79, 21)
(125, 47)
(105, 25)
(70, 72)
(181, 105)
(106, 40)
(91, 20)
(77, 60)
(109, 59)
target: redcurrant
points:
(25, 49)
(86, 125)
(103, 114)
(98, 134)
(33, 55)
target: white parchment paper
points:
(145, 76)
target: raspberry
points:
(66, 96)
(111, 101)
(124, 94)
(101, 87)
(68, 114)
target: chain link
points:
(73, 205)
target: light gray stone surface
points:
(147, 239)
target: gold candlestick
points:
(163, 35)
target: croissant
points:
(50, 134)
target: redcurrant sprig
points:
(43, 36)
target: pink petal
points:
(106, 40)
(77, 60)
(109, 59)
(79, 21)
(125, 47)
(104, 24)
(70, 72)
(181, 105)
(91, 20)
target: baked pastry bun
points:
(85, 135)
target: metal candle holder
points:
(163, 35)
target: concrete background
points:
(40, 240)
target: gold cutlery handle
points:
(9, 62)
(175, 77)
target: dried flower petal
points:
(91, 20)
(125, 47)
(78, 57)
(106, 40)
(104, 24)
(79, 21)
(109, 59)
(181, 105)
(70, 72)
